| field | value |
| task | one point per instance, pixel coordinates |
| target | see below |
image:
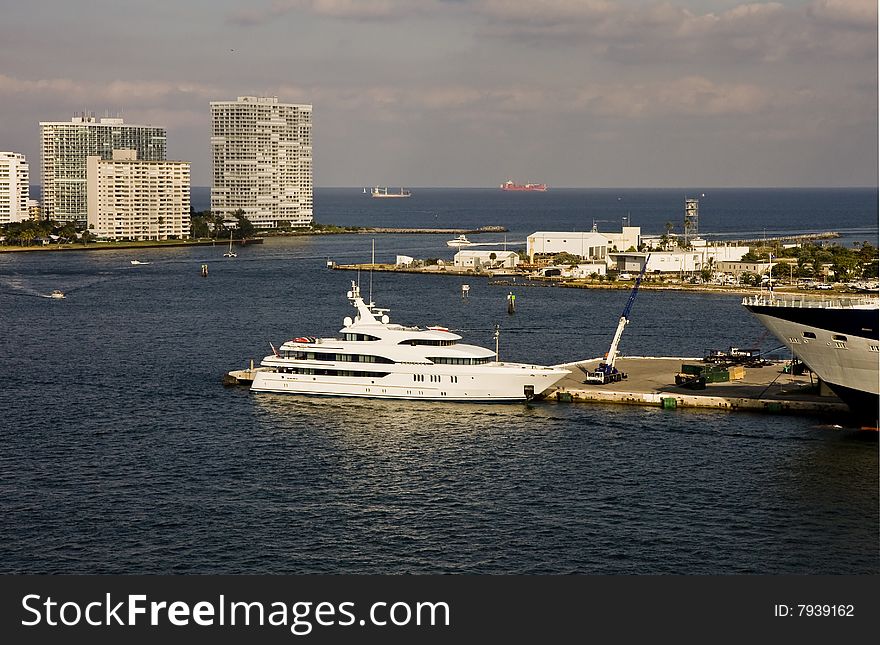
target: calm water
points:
(122, 452)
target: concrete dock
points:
(651, 381)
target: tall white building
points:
(14, 187)
(262, 160)
(67, 144)
(133, 199)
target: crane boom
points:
(606, 372)
(624, 317)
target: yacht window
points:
(332, 372)
(839, 337)
(447, 360)
(809, 334)
(348, 336)
(427, 341)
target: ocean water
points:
(123, 453)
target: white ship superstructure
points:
(378, 359)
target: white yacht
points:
(378, 359)
(459, 241)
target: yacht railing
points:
(811, 303)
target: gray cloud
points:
(464, 92)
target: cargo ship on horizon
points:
(509, 185)
(382, 192)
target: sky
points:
(470, 93)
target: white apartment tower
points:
(133, 199)
(262, 160)
(65, 146)
(14, 187)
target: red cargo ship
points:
(509, 185)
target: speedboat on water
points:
(58, 295)
(837, 339)
(378, 359)
(461, 240)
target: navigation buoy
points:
(204, 270)
(465, 290)
(511, 303)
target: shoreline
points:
(116, 246)
(330, 230)
(521, 280)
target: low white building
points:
(590, 246)
(720, 252)
(403, 261)
(486, 259)
(658, 262)
(131, 199)
(588, 269)
(738, 268)
(630, 237)
(700, 256)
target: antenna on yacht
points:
(497, 336)
(372, 262)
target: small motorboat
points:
(461, 240)
(138, 262)
(58, 295)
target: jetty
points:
(804, 237)
(432, 231)
(651, 381)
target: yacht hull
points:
(838, 344)
(506, 384)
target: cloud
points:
(63, 90)
(664, 31)
(345, 9)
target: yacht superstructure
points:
(378, 359)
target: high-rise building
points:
(67, 145)
(14, 188)
(262, 160)
(133, 199)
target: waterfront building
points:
(589, 246)
(14, 187)
(629, 238)
(262, 160)
(135, 199)
(576, 271)
(737, 269)
(721, 252)
(35, 210)
(659, 261)
(65, 147)
(486, 258)
(716, 258)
